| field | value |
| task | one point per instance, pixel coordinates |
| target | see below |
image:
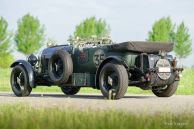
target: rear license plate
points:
(164, 70)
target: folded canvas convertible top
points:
(142, 47)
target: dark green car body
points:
(148, 65)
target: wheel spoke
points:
(58, 67)
(110, 81)
(20, 81)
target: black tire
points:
(20, 82)
(60, 67)
(118, 74)
(168, 91)
(70, 90)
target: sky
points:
(128, 19)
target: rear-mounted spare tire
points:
(60, 67)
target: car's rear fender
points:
(116, 59)
(29, 70)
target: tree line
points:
(30, 35)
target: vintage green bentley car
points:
(111, 68)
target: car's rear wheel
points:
(113, 81)
(70, 90)
(166, 91)
(20, 82)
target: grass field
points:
(25, 117)
(186, 85)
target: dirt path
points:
(131, 103)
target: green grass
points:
(4, 79)
(186, 85)
(25, 117)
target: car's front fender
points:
(29, 70)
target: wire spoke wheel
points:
(113, 81)
(19, 81)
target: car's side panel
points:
(88, 60)
(83, 79)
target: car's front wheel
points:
(19, 81)
(113, 80)
(167, 91)
(70, 90)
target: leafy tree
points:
(162, 30)
(30, 34)
(91, 27)
(183, 43)
(5, 38)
